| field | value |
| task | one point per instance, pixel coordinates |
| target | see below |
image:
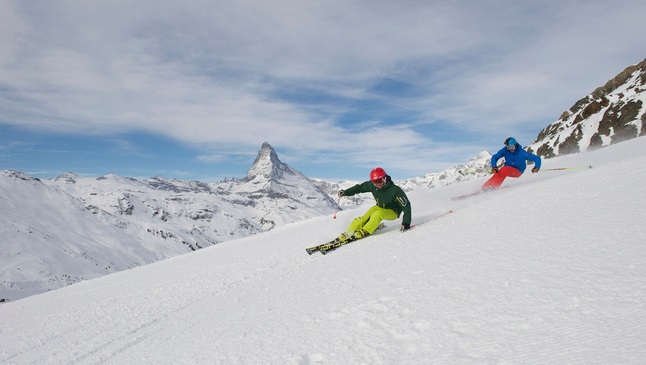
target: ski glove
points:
(494, 170)
(405, 227)
(341, 193)
(535, 170)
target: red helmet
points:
(377, 174)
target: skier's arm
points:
(495, 158)
(537, 161)
(404, 204)
(359, 188)
(534, 158)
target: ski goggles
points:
(511, 148)
(379, 181)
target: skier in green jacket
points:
(391, 202)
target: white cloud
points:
(216, 73)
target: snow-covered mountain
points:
(612, 113)
(475, 168)
(55, 232)
(548, 271)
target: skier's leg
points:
(497, 179)
(377, 216)
(357, 224)
(512, 171)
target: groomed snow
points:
(549, 271)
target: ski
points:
(336, 243)
(465, 196)
(462, 197)
(311, 250)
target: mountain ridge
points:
(111, 223)
(612, 113)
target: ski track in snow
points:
(550, 271)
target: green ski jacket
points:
(390, 196)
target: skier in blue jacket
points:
(515, 163)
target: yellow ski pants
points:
(371, 219)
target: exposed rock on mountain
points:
(612, 113)
(281, 193)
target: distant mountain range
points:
(55, 232)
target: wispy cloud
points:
(316, 78)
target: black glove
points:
(405, 227)
(341, 193)
(494, 170)
(535, 170)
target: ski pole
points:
(337, 207)
(567, 168)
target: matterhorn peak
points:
(267, 164)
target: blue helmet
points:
(511, 143)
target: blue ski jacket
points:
(516, 159)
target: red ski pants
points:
(496, 180)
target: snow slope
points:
(549, 271)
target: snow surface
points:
(549, 271)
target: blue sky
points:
(191, 89)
